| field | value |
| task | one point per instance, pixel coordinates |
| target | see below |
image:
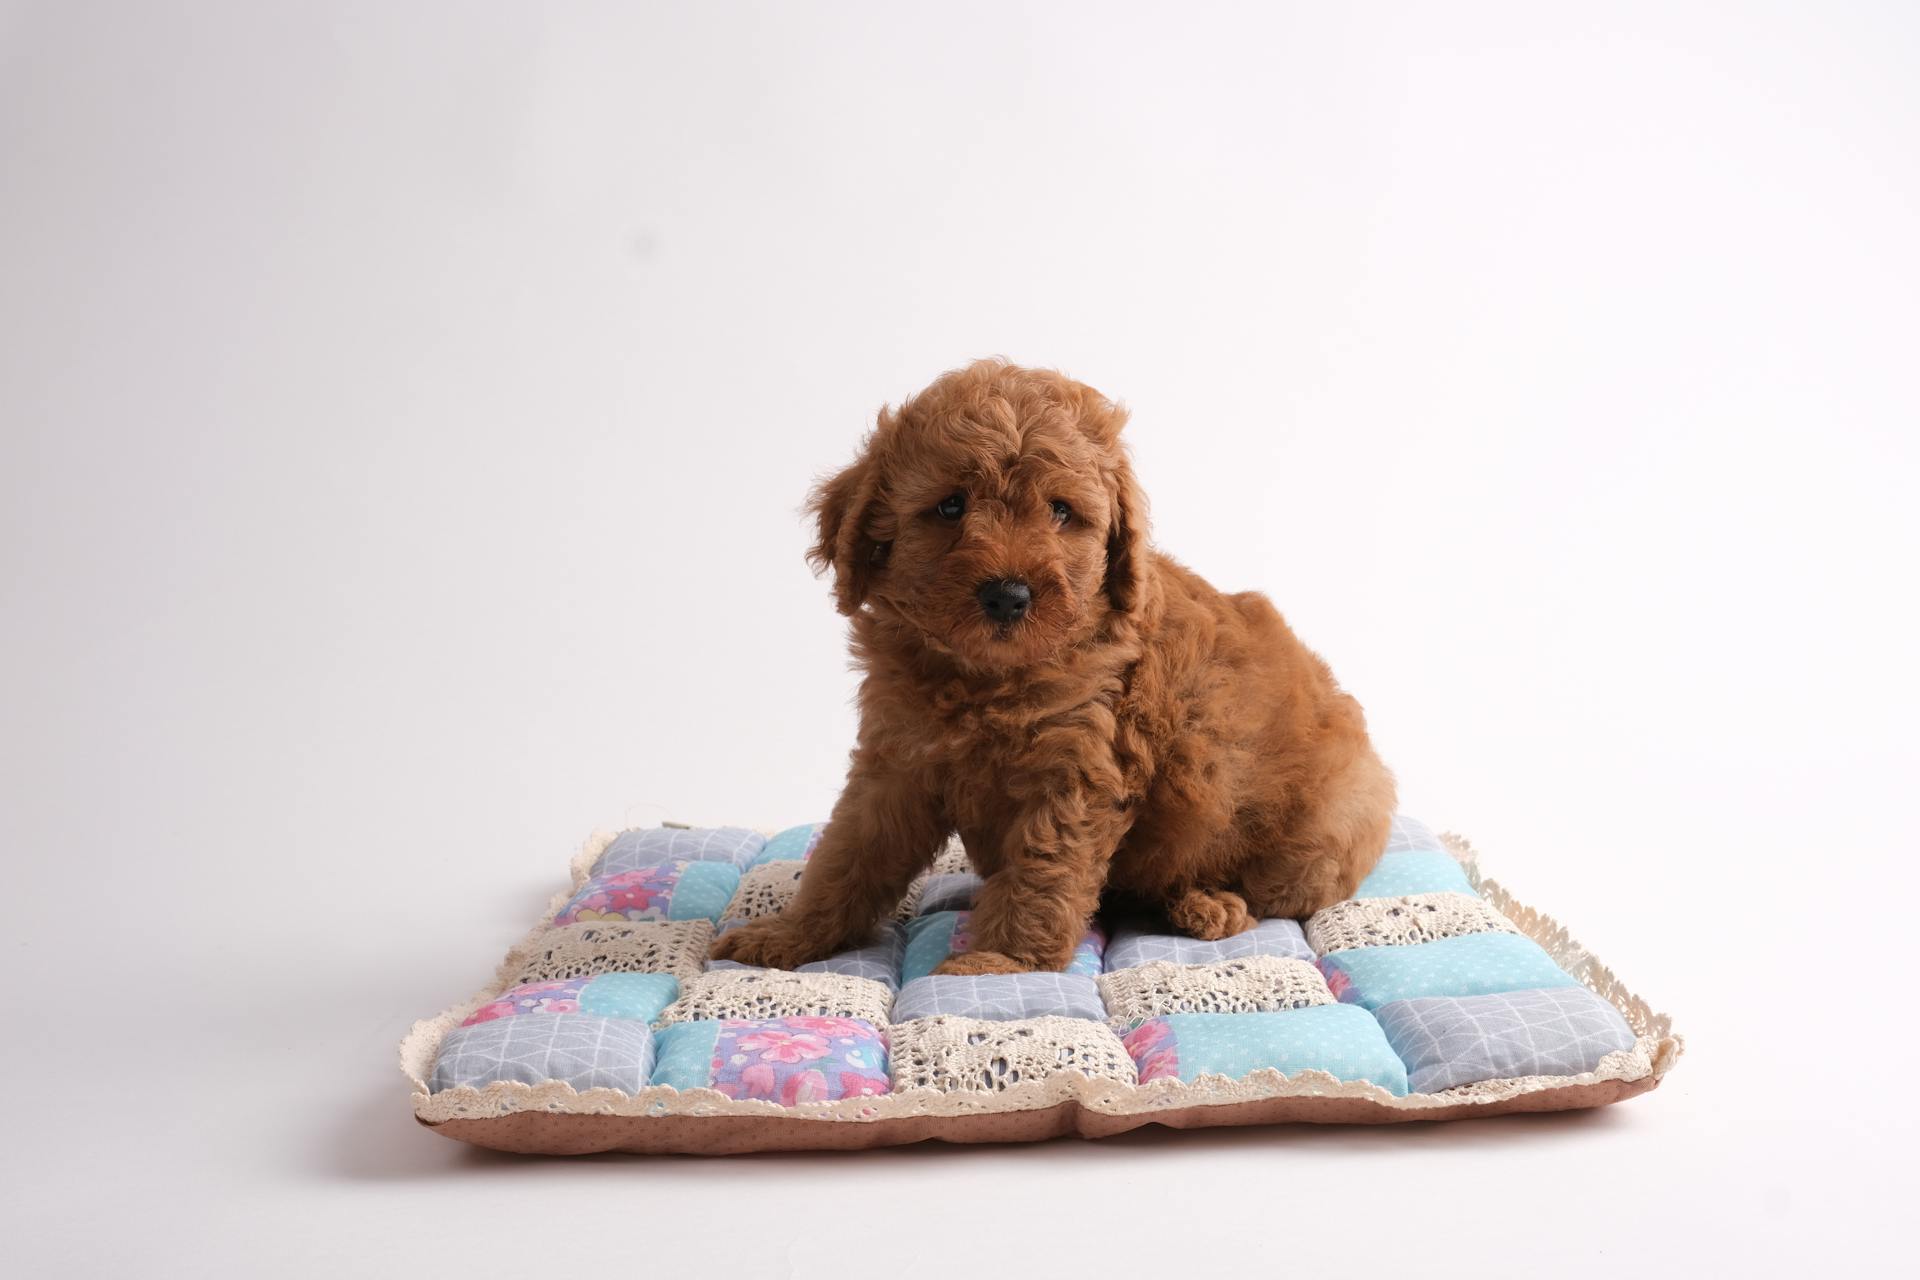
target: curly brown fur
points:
(1136, 731)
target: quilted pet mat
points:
(1431, 994)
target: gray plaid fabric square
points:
(878, 960)
(651, 846)
(949, 892)
(1449, 1041)
(1268, 938)
(585, 1051)
(1410, 835)
(1001, 997)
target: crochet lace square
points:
(678, 947)
(972, 1055)
(745, 994)
(952, 860)
(1252, 984)
(1402, 921)
(765, 890)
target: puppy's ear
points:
(1127, 564)
(847, 506)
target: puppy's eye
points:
(1061, 512)
(951, 507)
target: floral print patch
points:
(805, 1059)
(1154, 1050)
(531, 997)
(678, 889)
(625, 895)
(636, 996)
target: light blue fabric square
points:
(584, 1051)
(877, 959)
(929, 941)
(1001, 997)
(792, 845)
(953, 891)
(703, 891)
(1408, 835)
(1447, 1042)
(1131, 947)
(629, 995)
(1475, 965)
(651, 846)
(1398, 874)
(932, 938)
(683, 1054)
(1339, 1039)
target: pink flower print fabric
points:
(626, 895)
(532, 997)
(1154, 1049)
(802, 1059)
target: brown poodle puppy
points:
(1086, 713)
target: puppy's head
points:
(993, 514)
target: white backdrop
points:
(406, 410)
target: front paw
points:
(772, 943)
(976, 962)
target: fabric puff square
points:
(783, 1060)
(877, 959)
(1399, 873)
(952, 860)
(643, 847)
(981, 1056)
(1132, 946)
(748, 995)
(765, 890)
(678, 947)
(1340, 1040)
(949, 891)
(1251, 984)
(1447, 1042)
(1000, 997)
(795, 844)
(1475, 965)
(641, 996)
(932, 938)
(1402, 921)
(583, 1051)
(676, 890)
(1410, 835)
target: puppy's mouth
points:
(1034, 637)
(967, 634)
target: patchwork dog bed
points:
(1431, 994)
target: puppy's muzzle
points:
(1005, 600)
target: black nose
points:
(1005, 599)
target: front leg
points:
(1034, 910)
(885, 830)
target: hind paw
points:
(1211, 914)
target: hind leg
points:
(1323, 854)
(1210, 914)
